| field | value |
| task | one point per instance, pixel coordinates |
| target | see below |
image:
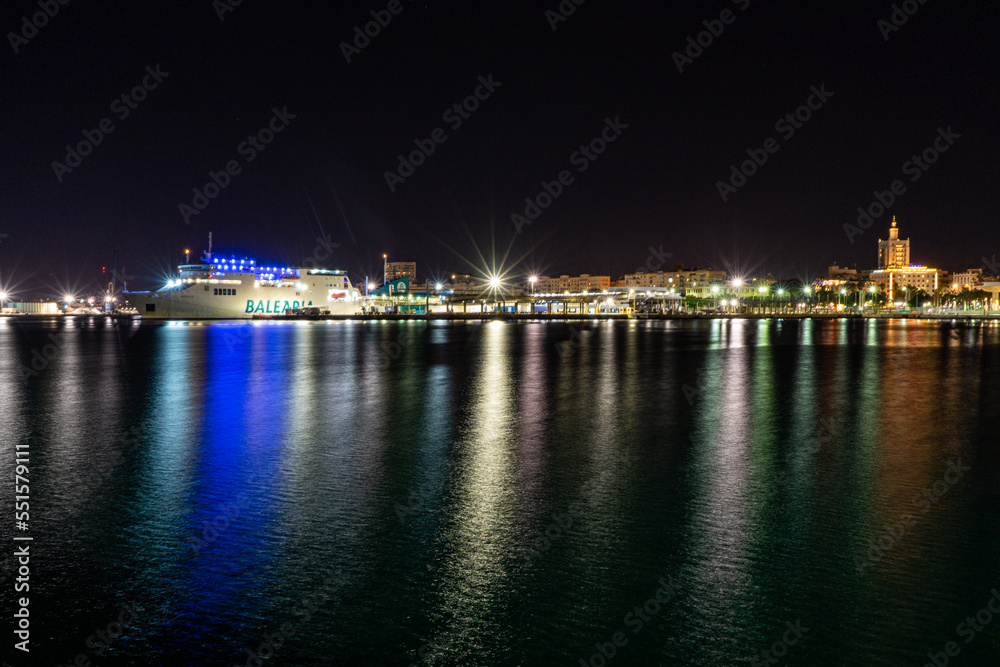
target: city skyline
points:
(764, 140)
(893, 254)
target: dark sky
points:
(654, 186)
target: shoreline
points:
(541, 317)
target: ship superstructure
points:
(231, 288)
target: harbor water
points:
(699, 492)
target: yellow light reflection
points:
(482, 528)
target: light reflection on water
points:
(221, 472)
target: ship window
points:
(150, 307)
(215, 292)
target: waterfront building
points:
(680, 279)
(993, 288)
(36, 307)
(894, 268)
(397, 270)
(463, 284)
(913, 277)
(970, 279)
(835, 272)
(582, 283)
(893, 251)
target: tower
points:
(893, 252)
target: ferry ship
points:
(230, 288)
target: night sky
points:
(221, 80)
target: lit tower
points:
(893, 252)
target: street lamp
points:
(532, 280)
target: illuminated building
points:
(913, 277)
(564, 283)
(462, 284)
(397, 270)
(894, 268)
(36, 307)
(836, 272)
(893, 251)
(676, 279)
(970, 279)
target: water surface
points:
(507, 493)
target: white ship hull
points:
(239, 294)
